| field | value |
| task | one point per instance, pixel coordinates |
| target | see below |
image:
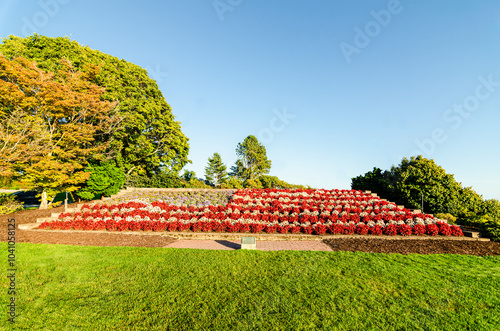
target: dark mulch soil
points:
(417, 246)
(429, 246)
(75, 238)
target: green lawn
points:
(125, 288)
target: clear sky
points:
(331, 88)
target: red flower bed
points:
(316, 212)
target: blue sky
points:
(331, 88)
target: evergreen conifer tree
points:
(215, 172)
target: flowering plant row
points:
(271, 211)
(226, 226)
(195, 198)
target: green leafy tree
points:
(233, 182)
(253, 183)
(419, 176)
(469, 203)
(105, 179)
(188, 175)
(148, 140)
(252, 160)
(375, 181)
(215, 172)
(267, 181)
(491, 207)
(407, 182)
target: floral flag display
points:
(311, 211)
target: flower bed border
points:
(261, 236)
(208, 233)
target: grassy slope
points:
(121, 288)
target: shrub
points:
(159, 180)
(490, 227)
(105, 179)
(448, 217)
(9, 204)
(492, 230)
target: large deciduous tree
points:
(419, 176)
(66, 118)
(376, 181)
(149, 140)
(215, 172)
(252, 160)
(413, 178)
(22, 137)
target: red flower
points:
(362, 229)
(349, 229)
(390, 230)
(336, 228)
(432, 229)
(404, 230)
(419, 229)
(444, 228)
(245, 227)
(320, 229)
(375, 230)
(256, 227)
(172, 226)
(307, 229)
(270, 228)
(456, 231)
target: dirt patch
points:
(372, 245)
(408, 246)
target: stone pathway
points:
(262, 245)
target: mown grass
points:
(126, 288)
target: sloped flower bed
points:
(270, 211)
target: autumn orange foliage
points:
(51, 126)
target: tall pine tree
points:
(215, 172)
(252, 160)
